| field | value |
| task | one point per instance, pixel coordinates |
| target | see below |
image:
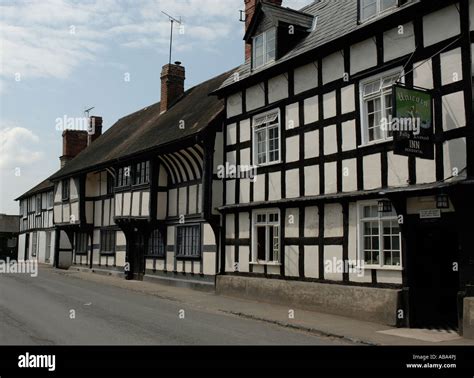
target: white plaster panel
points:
(292, 261)
(230, 192)
(349, 140)
(332, 255)
(306, 77)
(255, 97)
(363, 55)
(229, 258)
(455, 159)
(245, 130)
(398, 42)
(230, 226)
(192, 199)
(333, 220)
(423, 74)
(333, 67)
(292, 183)
(311, 261)
(292, 223)
(330, 177)
(311, 144)
(244, 192)
(311, 222)
(311, 110)
(425, 171)
(372, 171)
(274, 186)
(292, 116)
(397, 170)
(278, 88)
(182, 201)
(245, 157)
(329, 105)
(209, 263)
(292, 149)
(389, 276)
(441, 25)
(311, 180)
(244, 225)
(451, 66)
(231, 134)
(234, 105)
(259, 188)
(349, 175)
(454, 115)
(330, 140)
(244, 259)
(348, 99)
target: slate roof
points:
(41, 187)
(335, 19)
(147, 130)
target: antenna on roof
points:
(87, 111)
(172, 21)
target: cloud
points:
(18, 147)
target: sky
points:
(60, 57)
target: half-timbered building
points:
(139, 199)
(332, 217)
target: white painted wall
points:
(306, 77)
(363, 55)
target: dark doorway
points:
(27, 247)
(136, 256)
(433, 277)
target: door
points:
(27, 247)
(137, 256)
(434, 277)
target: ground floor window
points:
(81, 243)
(107, 242)
(266, 233)
(156, 244)
(48, 246)
(34, 244)
(380, 237)
(189, 241)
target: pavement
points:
(111, 310)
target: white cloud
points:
(18, 148)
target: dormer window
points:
(264, 48)
(374, 8)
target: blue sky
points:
(58, 57)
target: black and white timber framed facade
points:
(276, 180)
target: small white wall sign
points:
(430, 214)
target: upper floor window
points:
(142, 173)
(124, 175)
(156, 244)
(266, 138)
(38, 204)
(65, 189)
(379, 236)
(264, 48)
(373, 8)
(50, 199)
(266, 231)
(377, 107)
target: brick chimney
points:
(172, 85)
(95, 129)
(250, 6)
(74, 141)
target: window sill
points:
(267, 164)
(265, 263)
(375, 142)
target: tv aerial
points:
(87, 111)
(172, 21)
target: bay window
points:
(380, 237)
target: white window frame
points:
(378, 13)
(381, 95)
(360, 235)
(267, 224)
(267, 139)
(265, 51)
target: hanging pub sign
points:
(412, 122)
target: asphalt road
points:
(54, 309)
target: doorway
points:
(27, 247)
(434, 275)
(136, 256)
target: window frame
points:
(141, 173)
(265, 50)
(381, 95)
(182, 256)
(113, 240)
(267, 139)
(160, 244)
(360, 235)
(34, 244)
(378, 11)
(50, 200)
(81, 252)
(38, 204)
(267, 224)
(65, 189)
